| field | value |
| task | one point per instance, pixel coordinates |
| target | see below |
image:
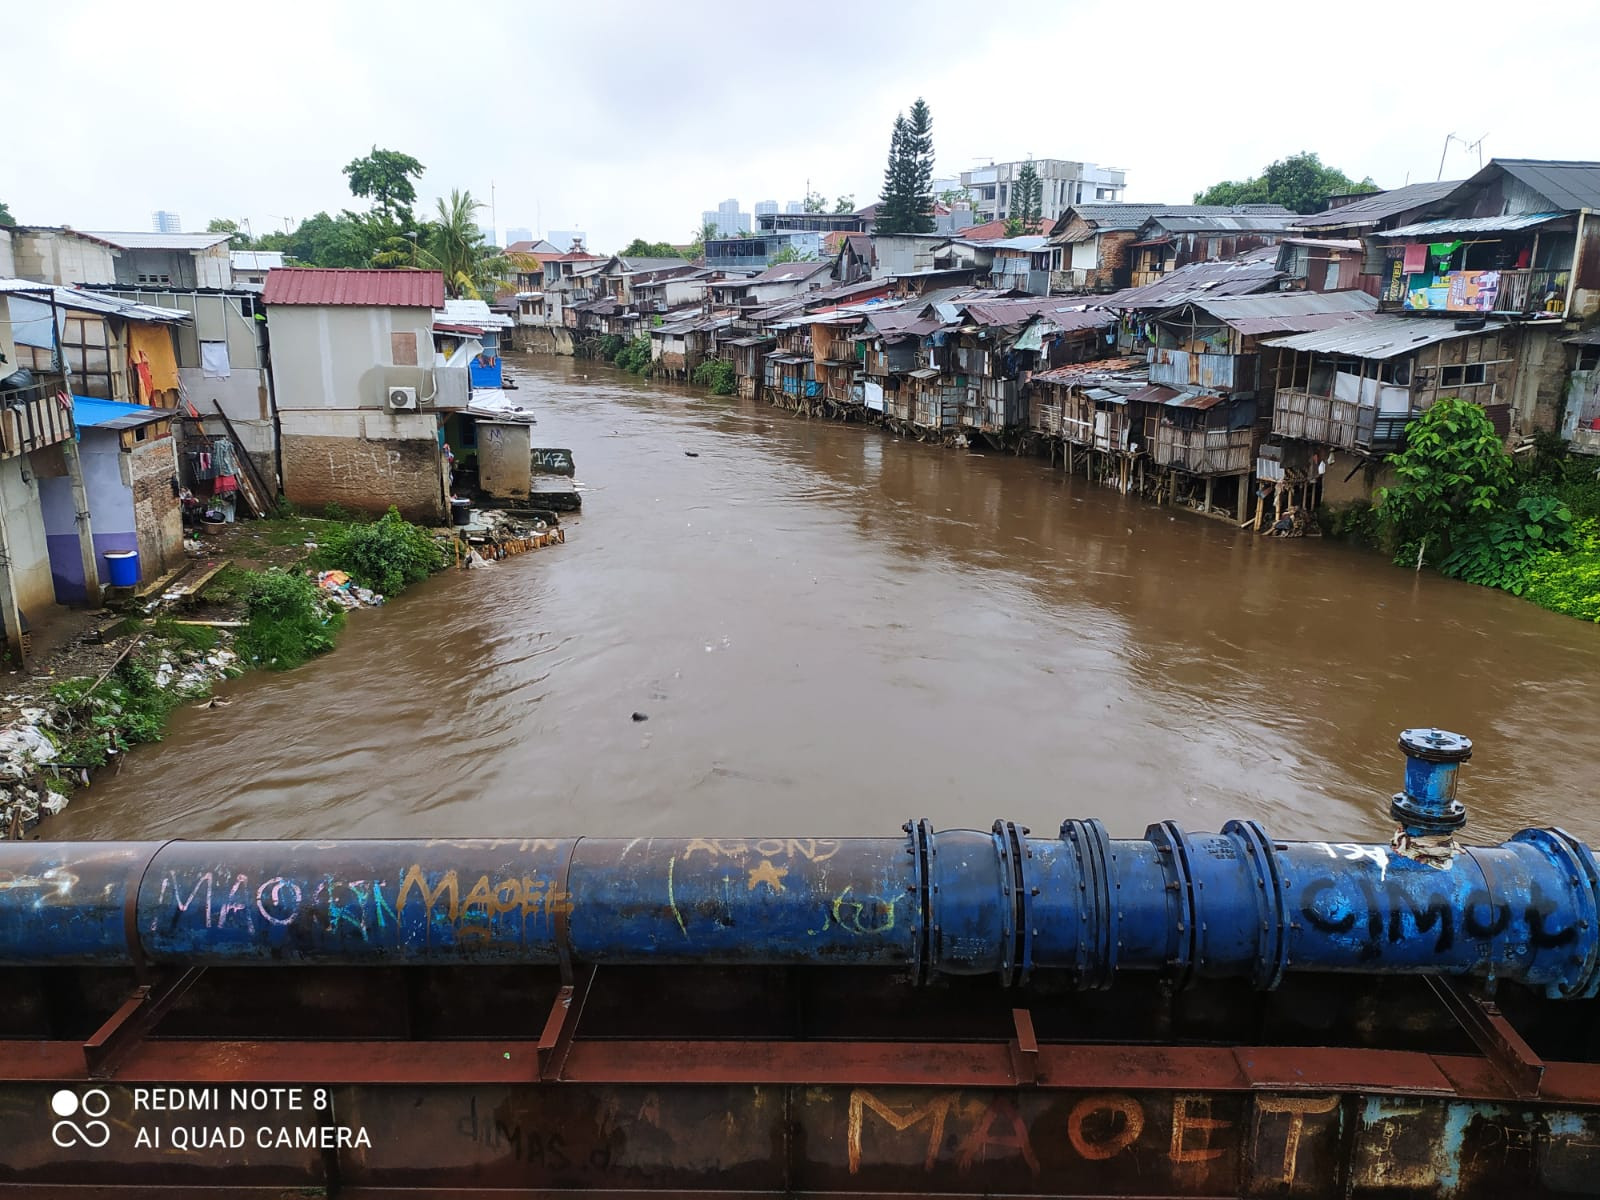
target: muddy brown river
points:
(832, 630)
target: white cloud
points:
(628, 119)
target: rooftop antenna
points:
(1450, 137)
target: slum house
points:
(1166, 243)
(900, 254)
(170, 260)
(684, 340)
(852, 258)
(892, 344)
(1354, 388)
(750, 254)
(1217, 380)
(774, 283)
(130, 481)
(791, 376)
(474, 319)
(837, 361)
(1081, 410)
(250, 267)
(224, 370)
(46, 254)
(1518, 241)
(1580, 420)
(996, 345)
(358, 388)
(622, 275)
(1252, 273)
(666, 291)
(1011, 264)
(1354, 222)
(576, 293)
(1090, 243)
(36, 444)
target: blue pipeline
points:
(1234, 904)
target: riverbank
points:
(275, 595)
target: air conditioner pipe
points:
(1234, 904)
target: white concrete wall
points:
(339, 357)
(8, 259)
(25, 539)
(8, 347)
(59, 256)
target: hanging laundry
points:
(214, 360)
(1416, 259)
(150, 346)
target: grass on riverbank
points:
(288, 620)
(1527, 524)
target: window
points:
(153, 278)
(1460, 375)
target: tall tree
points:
(1027, 202)
(845, 204)
(237, 237)
(906, 205)
(471, 266)
(1300, 182)
(814, 203)
(920, 144)
(384, 177)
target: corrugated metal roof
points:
(1108, 217)
(1472, 225)
(160, 241)
(1376, 208)
(99, 302)
(350, 286)
(471, 312)
(787, 272)
(1589, 337)
(1153, 393)
(255, 260)
(1198, 400)
(1238, 277)
(1288, 312)
(1220, 224)
(88, 412)
(923, 373)
(1385, 335)
(1569, 183)
(1098, 370)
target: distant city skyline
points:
(564, 239)
(516, 233)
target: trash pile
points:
(338, 588)
(35, 778)
(496, 533)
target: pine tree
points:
(920, 151)
(906, 205)
(1027, 202)
(892, 213)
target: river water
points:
(831, 630)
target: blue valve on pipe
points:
(1428, 807)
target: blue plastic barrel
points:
(123, 567)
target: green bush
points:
(635, 355)
(192, 637)
(1497, 551)
(716, 374)
(288, 624)
(610, 346)
(387, 555)
(1569, 582)
(1453, 471)
(1357, 523)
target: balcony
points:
(1333, 422)
(34, 417)
(1528, 292)
(1206, 451)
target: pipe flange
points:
(1435, 745)
(1427, 818)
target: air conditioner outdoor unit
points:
(402, 398)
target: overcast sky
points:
(629, 119)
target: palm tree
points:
(454, 243)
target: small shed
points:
(130, 475)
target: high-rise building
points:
(794, 206)
(1064, 184)
(763, 207)
(727, 218)
(163, 221)
(565, 240)
(486, 232)
(516, 233)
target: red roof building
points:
(348, 286)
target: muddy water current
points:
(831, 630)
